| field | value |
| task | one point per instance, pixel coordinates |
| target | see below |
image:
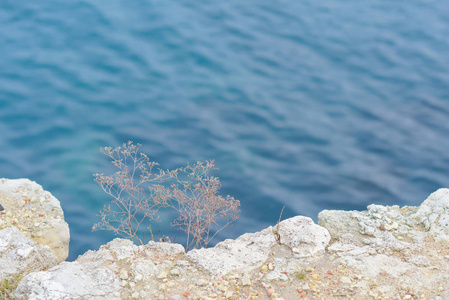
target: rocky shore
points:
(384, 252)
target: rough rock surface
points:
(102, 274)
(36, 213)
(20, 255)
(251, 250)
(385, 252)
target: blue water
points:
(309, 104)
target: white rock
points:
(174, 272)
(20, 255)
(123, 274)
(303, 236)
(372, 266)
(247, 252)
(52, 230)
(94, 274)
(344, 279)
(251, 250)
(165, 248)
(69, 280)
(434, 212)
(246, 280)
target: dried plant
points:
(194, 195)
(134, 191)
(139, 189)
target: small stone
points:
(344, 279)
(162, 275)
(162, 287)
(222, 288)
(170, 284)
(202, 282)
(264, 268)
(174, 272)
(139, 277)
(124, 274)
(228, 294)
(135, 295)
(175, 297)
(270, 266)
(309, 269)
(143, 294)
(407, 297)
(246, 280)
(124, 283)
(270, 291)
(132, 284)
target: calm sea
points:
(309, 104)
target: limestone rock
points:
(36, 213)
(339, 223)
(247, 252)
(303, 236)
(109, 273)
(20, 255)
(250, 250)
(69, 281)
(433, 213)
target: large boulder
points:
(20, 255)
(36, 213)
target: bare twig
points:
(138, 191)
(277, 236)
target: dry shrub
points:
(139, 189)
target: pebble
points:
(222, 288)
(229, 294)
(162, 287)
(139, 277)
(135, 295)
(170, 284)
(143, 294)
(202, 282)
(175, 297)
(162, 275)
(344, 279)
(174, 272)
(246, 280)
(124, 274)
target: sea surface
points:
(309, 104)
